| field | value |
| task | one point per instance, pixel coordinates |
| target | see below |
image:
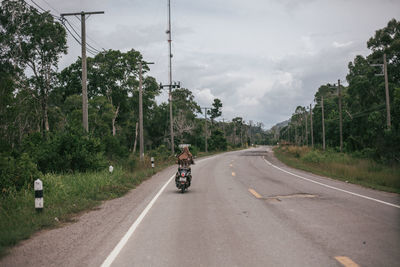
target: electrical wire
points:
(93, 53)
(362, 113)
(91, 49)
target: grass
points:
(65, 195)
(342, 166)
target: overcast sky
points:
(262, 58)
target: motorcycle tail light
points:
(183, 174)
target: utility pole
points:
(306, 128)
(170, 79)
(340, 117)
(205, 125)
(323, 123)
(387, 91)
(141, 109)
(84, 66)
(312, 134)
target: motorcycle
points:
(183, 178)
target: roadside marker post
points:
(152, 163)
(38, 186)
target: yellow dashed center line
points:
(346, 261)
(233, 174)
(257, 195)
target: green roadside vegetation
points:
(65, 195)
(345, 167)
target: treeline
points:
(41, 107)
(366, 130)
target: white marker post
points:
(111, 169)
(152, 162)
(38, 186)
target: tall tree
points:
(216, 110)
(185, 110)
(34, 40)
(113, 74)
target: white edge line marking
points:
(332, 187)
(114, 253)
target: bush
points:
(114, 149)
(218, 141)
(298, 151)
(130, 163)
(162, 153)
(194, 150)
(71, 150)
(313, 157)
(15, 173)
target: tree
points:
(238, 125)
(32, 39)
(218, 141)
(215, 111)
(185, 109)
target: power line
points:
(364, 112)
(77, 40)
(88, 36)
(47, 3)
(92, 50)
(88, 45)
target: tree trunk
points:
(136, 134)
(45, 114)
(114, 130)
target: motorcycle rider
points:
(184, 160)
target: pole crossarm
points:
(81, 13)
(172, 85)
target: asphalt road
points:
(244, 208)
(241, 210)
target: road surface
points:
(244, 208)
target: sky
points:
(261, 58)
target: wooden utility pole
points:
(205, 125)
(312, 134)
(340, 116)
(141, 142)
(170, 79)
(141, 109)
(388, 121)
(85, 116)
(306, 128)
(323, 123)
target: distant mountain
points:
(279, 126)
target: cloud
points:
(340, 45)
(204, 97)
